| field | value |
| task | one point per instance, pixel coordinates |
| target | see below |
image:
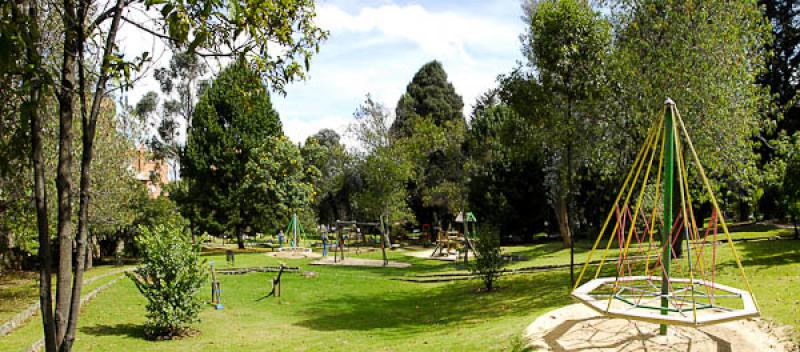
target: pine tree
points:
(232, 119)
(428, 94)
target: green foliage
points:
(251, 30)
(567, 45)
(791, 181)
(429, 126)
(384, 167)
(338, 179)
(706, 57)
(428, 94)
(153, 211)
(232, 121)
(783, 64)
(114, 187)
(489, 260)
(278, 182)
(506, 180)
(169, 277)
(436, 152)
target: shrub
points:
(488, 261)
(169, 277)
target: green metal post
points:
(294, 231)
(669, 144)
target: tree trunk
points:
(89, 127)
(66, 99)
(562, 215)
(88, 261)
(193, 231)
(240, 236)
(386, 241)
(119, 251)
(31, 112)
(796, 232)
(92, 251)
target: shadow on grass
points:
(752, 227)
(457, 303)
(768, 253)
(130, 330)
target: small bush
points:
(169, 277)
(489, 260)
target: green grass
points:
(18, 290)
(360, 309)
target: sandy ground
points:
(360, 262)
(426, 254)
(289, 254)
(579, 328)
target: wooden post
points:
(466, 236)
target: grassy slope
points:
(19, 290)
(358, 309)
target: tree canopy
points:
(233, 119)
(428, 94)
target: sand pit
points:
(291, 254)
(578, 328)
(360, 262)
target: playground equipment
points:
(276, 284)
(216, 291)
(338, 253)
(294, 229)
(650, 282)
(452, 240)
(447, 242)
(466, 220)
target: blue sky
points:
(376, 47)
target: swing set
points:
(341, 240)
(651, 282)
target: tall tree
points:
(430, 122)
(338, 179)
(781, 77)
(791, 184)
(782, 74)
(506, 182)
(567, 43)
(428, 94)
(180, 84)
(278, 183)
(706, 57)
(232, 120)
(80, 81)
(383, 165)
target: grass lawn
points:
(18, 290)
(361, 309)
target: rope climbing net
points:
(653, 279)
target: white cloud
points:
(377, 49)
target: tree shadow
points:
(753, 227)
(601, 336)
(768, 253)
(129, 330)
(456, 303)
